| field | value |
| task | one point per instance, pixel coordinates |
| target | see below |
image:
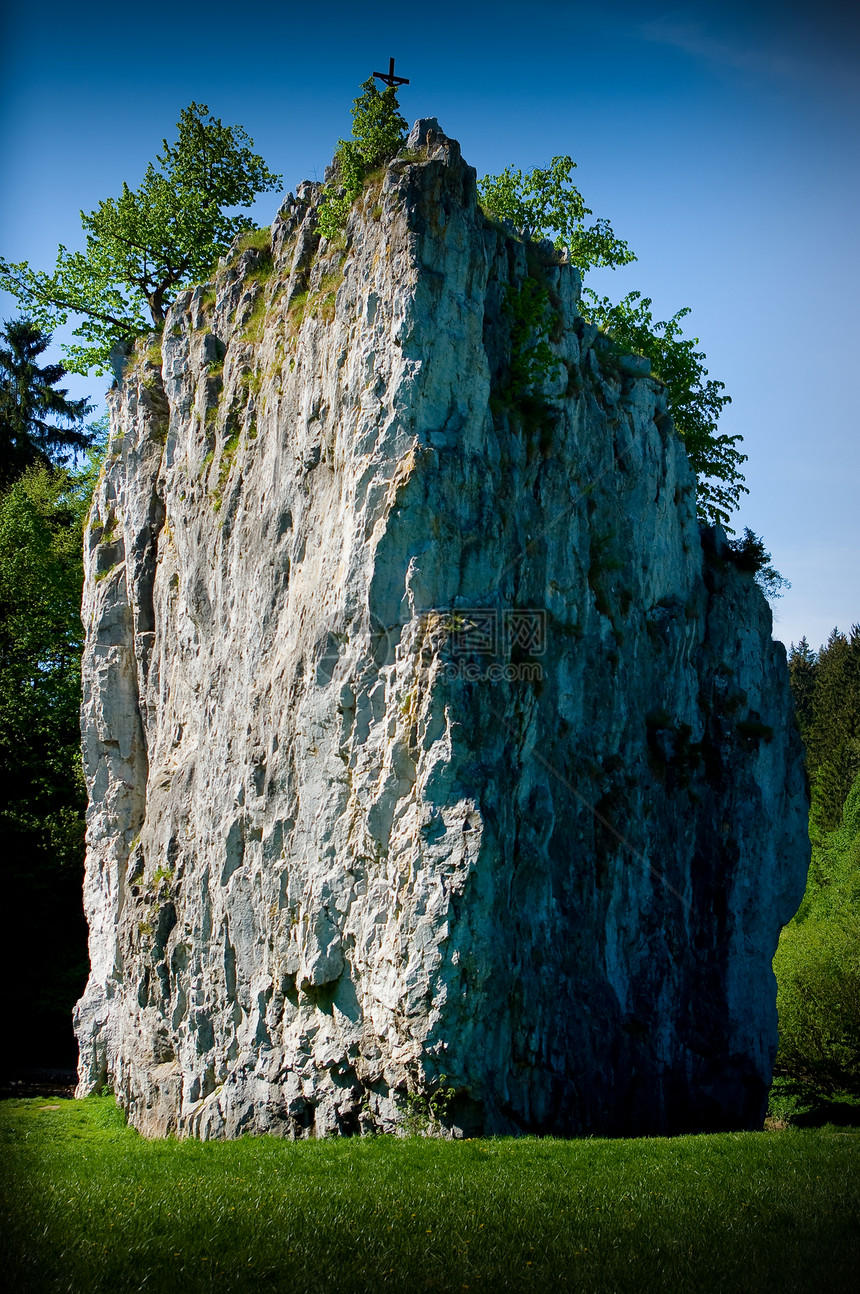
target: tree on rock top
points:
(144, 245)
(378, 131)
(545, 203)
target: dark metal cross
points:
(389, 78)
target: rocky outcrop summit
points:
(442, 770)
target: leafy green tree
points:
(378, 131)
(695, 400)
(817, 967)
(31, 403)
(146, 244)
(43, 953)
(545, 203)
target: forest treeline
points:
(826, 689)
(817, 963)
(49, 460)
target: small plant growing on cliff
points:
(259, 240)
(426, 1108)
(145, 361)
(377, 133)
(225, 466)
(144, 245)
(532, 360)
(749, 554)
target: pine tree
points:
(802, 673)
(833, 734)
(31, 404)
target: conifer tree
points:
(833, 733)
(826, 690)
(33, 408)
(802, 673)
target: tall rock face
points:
(425, 732)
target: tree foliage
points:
(33, 408)
(817, 967)
(42, 811)
(378, 131)
(545, 203)
(749, 554)
(144, 245)
(817, 964)
(802, 662)
(826, 689)
(695, 400)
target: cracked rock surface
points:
(426, 733)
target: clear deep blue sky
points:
(721, 140)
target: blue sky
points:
(721, 140)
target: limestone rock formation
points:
(425, 732)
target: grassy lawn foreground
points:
(90, 1205)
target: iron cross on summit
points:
(389, 78)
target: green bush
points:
(817, 967)
(545, 201)
(377, 134)
(43, 958)
(695, 399)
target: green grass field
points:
(90, 1205)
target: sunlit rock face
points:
(425, 732)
